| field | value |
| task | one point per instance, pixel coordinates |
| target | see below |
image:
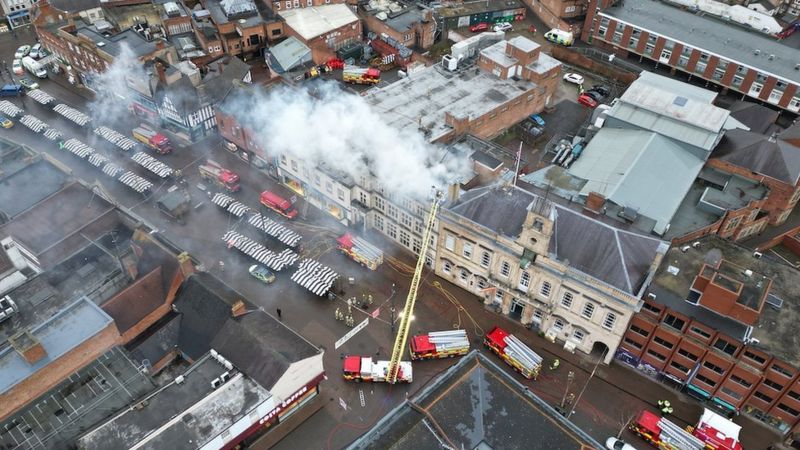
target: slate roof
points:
(776, 158)
(757, 117)
(476, 405)
(261, 347)
(618, 257)
(32, 184)
(187, 98)
(205, 305)
(487, 160)
(74, 6)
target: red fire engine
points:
(439, 344)
(514, 352)
(278, 204)
(713, 432)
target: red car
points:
(483, 26)
(586, 100)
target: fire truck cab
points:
(278, 204)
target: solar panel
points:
(774, 301)
(680, 101)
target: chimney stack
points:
(238, 309)
(161, 71)
(453, 192)
(595, 202)
(160, 44)
(27, 346)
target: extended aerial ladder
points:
(411, 299)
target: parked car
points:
(573, 78)
(35, 52)
(598, 97)
(5, 122)
(587, 100)
(262, 273)
(22, 52)
(478, 27)
(16, 67)
(605, 90)
(504, 26)
(613, 443)
(538, 119)
(28, 83)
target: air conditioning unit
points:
(215, 383)
(757, 255)
(179, 379)
(685, 248)
(696, 244)
(651, 296)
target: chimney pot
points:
(238, 309)
(595, 202)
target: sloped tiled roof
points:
(777, 158)
(618, 257)
(757, 117)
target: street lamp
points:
(391, 309)
(570, 379)
(575, 405)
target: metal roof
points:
(318, 20)
(715, 36)
(289, 54)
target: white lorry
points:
(34, 67)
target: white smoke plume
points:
(348, 134)
(112, 92)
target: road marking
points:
(352, 333)
(342, 403)
(361, 397)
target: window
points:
(741, 381)
(705, 380)
(788, 410)
(763, 397)
(588, 310)
(652, 308)
(498, 296)
(609, 321)
(447, 267)
(391, 230)
(296, 3)
(538, 225)
(378, 222)
(558, 325)
(633, 343)
(340, 194)
(566, 300)
(782, 370)
(466, 250)
(663, 342)
(463, 276)
(687, 354)
(794, 104)
(450, 242)
(752, 356)
(505, 269)
(578, 335)
(329, 187)
(793, 395)
(725, 346)
(405, 239)
(288, 4)
(569, 9)
(665, 55)
(639, 330)
(379, 203)
(545, 289)
(392, 211)
(700, 332)
(713, 367)
(309, 2)
(656, 355)
(417, 246)
(486, 258)
(481, 283)
(773, 385)
(731, 393)
(524, 281)
(683, 369)
(674, 322)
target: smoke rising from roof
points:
(111, 97)
(343, 132)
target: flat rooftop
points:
(712, 35)
(315, 21)
(24, 183)
(475, 7)
(775, 330)
(477, 405)
(90, 395)
(422, 99)
(179, 413)
(113, 45)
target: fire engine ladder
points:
(678, 437)
(408, 309)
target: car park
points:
(262, 273)
(482, 26)
(5, 122)
(596, 96)
(573, 78)
(504, 26)
(587, 100)
(613, 443)
(538, 119)
(22, 51)
(16, 67)
(28, 83)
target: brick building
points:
(461, 15)
(235, 125)
(565, 15)
(324, 29)
(728, 55)
(718, 323)
(243, 27)
(409, 25)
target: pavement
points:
(608, 399)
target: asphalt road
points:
(604, 407)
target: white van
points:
(34, 67)
(560, 37)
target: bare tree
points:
(625, 418)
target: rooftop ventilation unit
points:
(775, 302)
